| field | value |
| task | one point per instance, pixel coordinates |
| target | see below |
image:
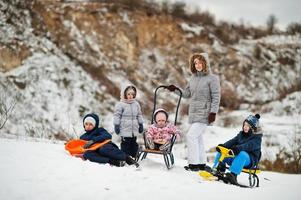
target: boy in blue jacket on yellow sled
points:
(245, 148)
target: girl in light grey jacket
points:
(128, 121)
(203, 89)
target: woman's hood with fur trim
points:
(206, 56)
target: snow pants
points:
(105, 153)
(129, 146)
(237, 163)
(195, 144)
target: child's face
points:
(130, 94)
(88, 126)
(246, 127)
(198, 64)
(161, 119)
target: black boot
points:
(231, 178)
(117, 163)
(208, 169)
(130, 161)
(192, 167)
(221, 167)
(204, 167)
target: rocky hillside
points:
(61, 59)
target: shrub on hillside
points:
(226, 33)
(257, 52)
(229, 121)
(283, 92)
(230, 98)
(8, 101)
(178, 9)
(294, 28)
(287, 160)
(206, 18)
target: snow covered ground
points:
(44, 170)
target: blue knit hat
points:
(253, 121)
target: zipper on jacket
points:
(132, 120)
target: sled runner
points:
(76, 147)
(166, 152)
(216, 175)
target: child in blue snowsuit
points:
(108, 153)
(246, 148)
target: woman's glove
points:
(211, 117)
(171, 88)
(140, 128)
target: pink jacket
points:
(162, 134)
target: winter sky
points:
(253, 12)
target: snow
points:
(195, 29)
(51, 95)
(286, 106)
(274, 76)
(126, 19)
(75, 33)
(44, 170)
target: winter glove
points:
(140, 128)
(234, 150)
(171, 88)
(117, 129)
(88, 144)
(211, 117)
(218, 149)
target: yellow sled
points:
(253, 178)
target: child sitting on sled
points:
(245, 147)
(159, 134)
(109, 152)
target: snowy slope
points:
(43, 170)
(57, 90)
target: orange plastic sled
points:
(76, 147)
